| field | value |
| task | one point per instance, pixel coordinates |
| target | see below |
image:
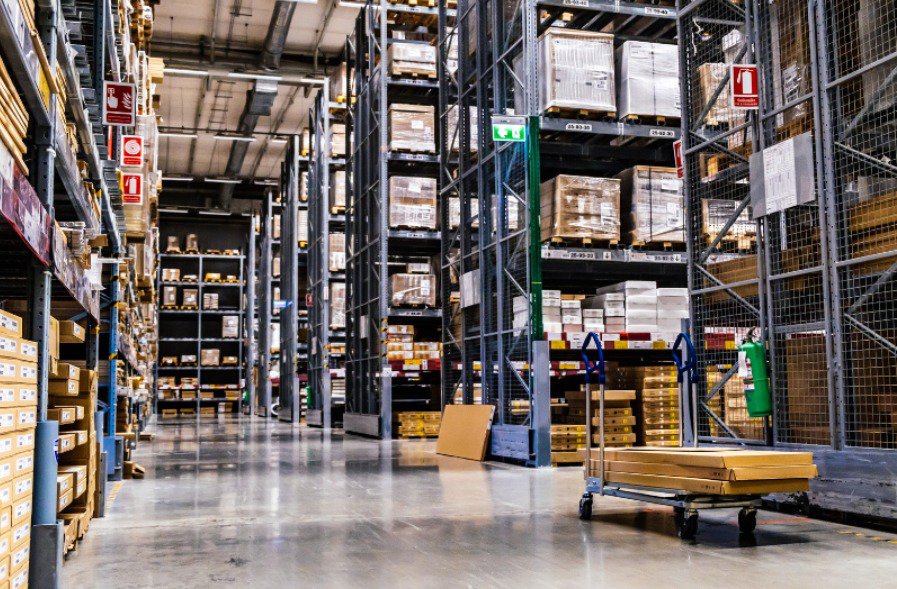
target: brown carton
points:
(580, 207)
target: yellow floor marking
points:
(113, 493)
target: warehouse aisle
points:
(256, 503)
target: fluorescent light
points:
(248, 76)
(278, 140)
(300, 1)
(215, 213)
(174, 211)
(265, 182)
(180, 135)
(350, 4)
(173, 71)
(234, 138)
(223, 180)
(177, 179)
(311, 81)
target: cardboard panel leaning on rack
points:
(412, 202)
(412, 128)
(580, 207)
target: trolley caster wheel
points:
(678, 516)
(688, 526)
(747, 520)
(585, 507)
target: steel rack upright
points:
(325, 218)
(496, 81)
(268, 292)
(375, 389)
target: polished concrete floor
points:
(250, 503)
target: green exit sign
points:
(508, 128)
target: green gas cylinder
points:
(752, 359)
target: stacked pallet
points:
(619, 423)
(568, 443)
(709, 470)
(73, 401)
(419, 424)
(18, 417)
(14, 118)
(659, 393)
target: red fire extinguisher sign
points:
(744, 87)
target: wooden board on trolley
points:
(710, 457)
(705, 486)
(740, 473)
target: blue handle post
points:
(689, 363)
(592, 367)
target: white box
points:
(672, 292)
(593, 313)
(630, 287)
(643, 301)
(551, 294)
(574, 304)
(648, 79)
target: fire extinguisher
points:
(752, 368)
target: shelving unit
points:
(326, 218)
(268, 291)
(222, 384)
(376, 388)
(495, 253)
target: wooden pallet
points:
(584, 242)
(337, 210)
(563, 112)
(655, 120)
(421, 3)
(666, 246)
(410, 72)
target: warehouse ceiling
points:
(242, 68)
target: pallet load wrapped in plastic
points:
(652, 206)
(338, 192)
(576, 70)
(413, 290)
(303, 186)
(337, 305)
(716, 212)
(338, 140)
(412, 59)
(580, 207)
(710, 76)
(412, 202)
(302, 226)
(412, 128)
(339, 84)
(454, 137)
(337, 261)
(648, 79)
(455, 212)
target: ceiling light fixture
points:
(350, 4)
(249, 76)
(278, 140)
(179, 135)
(215, 213)
(174, 211)
(265, 182)
(234, 138)
(177, 179)
(223, 180)
(311, 81)
(174, 71)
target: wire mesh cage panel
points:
(859, 76)
(725, 253)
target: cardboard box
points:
(66, 371)
(64, 482)
(26, 418)
(6, 509)
(412, 128)
(210, 357)
(67, 442)
(413, 290)
(18, 558)
(22, 486)
(71, 333)
(19, 580)
(412, 58)
(89, 382)
(648, 79)
(337, 305)
(78, 473)
(412, 202)
(20, 534)
(576, 70)
(230, 326)
(11, 324)
(169, 296)
(66, 387)
(337, 257)
(580, 207)
(65, 500)
(652, 205)
(18, 395)
(21, 510)
(5, 547)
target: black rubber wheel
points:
(585, 507)
(688, 529)
(747, 520)
(678, 516)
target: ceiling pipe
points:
(276, 38)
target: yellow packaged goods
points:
(10, 324)
(413, 290)
(580, 207)
(652, 205)
(71, 333)
(412, 128)
(412, 202)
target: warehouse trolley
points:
(685, 506)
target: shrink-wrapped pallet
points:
(576, 70)
(303, 186)
(210, 357)
(455, 212)
(651, 205)
(791, 68)
(412, 128)
(302, 226)
(648, 79)
(715, 213)
(580, 207)
(339, 84)
(337, 258)
(412, 202)
(454, 136)
(710, 76)
(230, 326)
(338, 140)
(415, 59)
(338, 191)
(416, 290)
(338, 305)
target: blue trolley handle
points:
(688, 365)
(592, 367)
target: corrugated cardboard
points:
(464, 431)
(71, 333)
(691, 485)
(711, 457)
(746, 473)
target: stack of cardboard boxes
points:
(405, 354)
(657, 388)
(18, 418)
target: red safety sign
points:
(680, 161)
(744, 88)
(120, 104)
(132, 189)
(131, 150)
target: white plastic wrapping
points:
(412, 202)
(648, 79)
(576, 70)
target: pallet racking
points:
(375, 387)
(496, 81)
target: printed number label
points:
(658, 11)
(666, 133)
(577, 3)
(578, 127)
